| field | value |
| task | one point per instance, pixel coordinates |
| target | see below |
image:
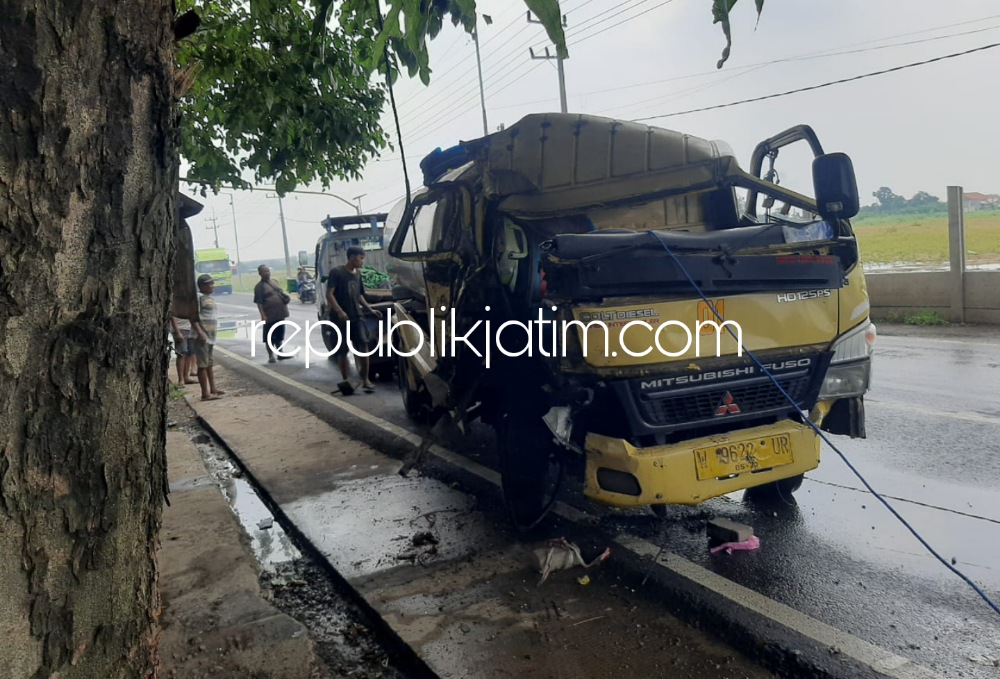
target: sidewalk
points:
(215, 621)
(449, 581)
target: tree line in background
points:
(887, 202)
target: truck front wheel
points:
(416, 402)
(531, 468)
(775, 491)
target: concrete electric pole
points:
(559, 66)
(236, 235)
(284, 239)
(479, 68)
(214, 227)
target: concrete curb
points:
(786, 641)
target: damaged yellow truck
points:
(625, 305)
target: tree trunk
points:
(88, 178)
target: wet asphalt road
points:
(834, 552)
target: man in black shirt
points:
(346, 297)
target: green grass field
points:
(924, 239)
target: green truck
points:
(215, 261)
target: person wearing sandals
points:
(205, 328)
(272, 302)
(346, 297)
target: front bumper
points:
(667, 474)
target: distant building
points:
(978, 201)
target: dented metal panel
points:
(567, 161)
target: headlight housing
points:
(849, 373)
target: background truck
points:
(633, 237)
(215, 261)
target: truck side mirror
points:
(836, 186)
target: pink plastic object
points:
(752, 542)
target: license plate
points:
(738, 457)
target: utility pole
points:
(559, 66)
(236, 235)
(479, 68)
(357, 199)
(214, 227)
(284, 239)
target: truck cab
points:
(215, 261)
(634, 307)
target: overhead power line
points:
(440, 101)
(577, 41)
(821, 85)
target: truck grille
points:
(751, 399)
(723, 395)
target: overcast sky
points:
(919, 129)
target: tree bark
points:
(88, 178)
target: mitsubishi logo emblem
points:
(728, 406)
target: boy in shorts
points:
(184, 348)
(205, 327)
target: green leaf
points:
(720, 15)
(550, 15)
(389, 30)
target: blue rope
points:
(963, 576)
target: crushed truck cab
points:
(625, 303)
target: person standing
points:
(272, 302)
(184, 348)
(346, 297)
(205, 327)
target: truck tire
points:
(531, 468)
(780, 490)
(417, 403)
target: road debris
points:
(560, 554)
(751, 543)
(725, 530)
(424, 538)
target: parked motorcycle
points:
(307, 292)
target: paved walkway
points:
(458, 589)
(215, 622)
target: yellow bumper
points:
(667, 474)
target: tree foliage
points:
(720, 15)
(292, 92)
(271, 96)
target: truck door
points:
(435, 231)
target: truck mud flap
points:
(846, 418)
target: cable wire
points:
(619, 23)
(821, 85)
(662, 240)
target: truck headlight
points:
(849, 373)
